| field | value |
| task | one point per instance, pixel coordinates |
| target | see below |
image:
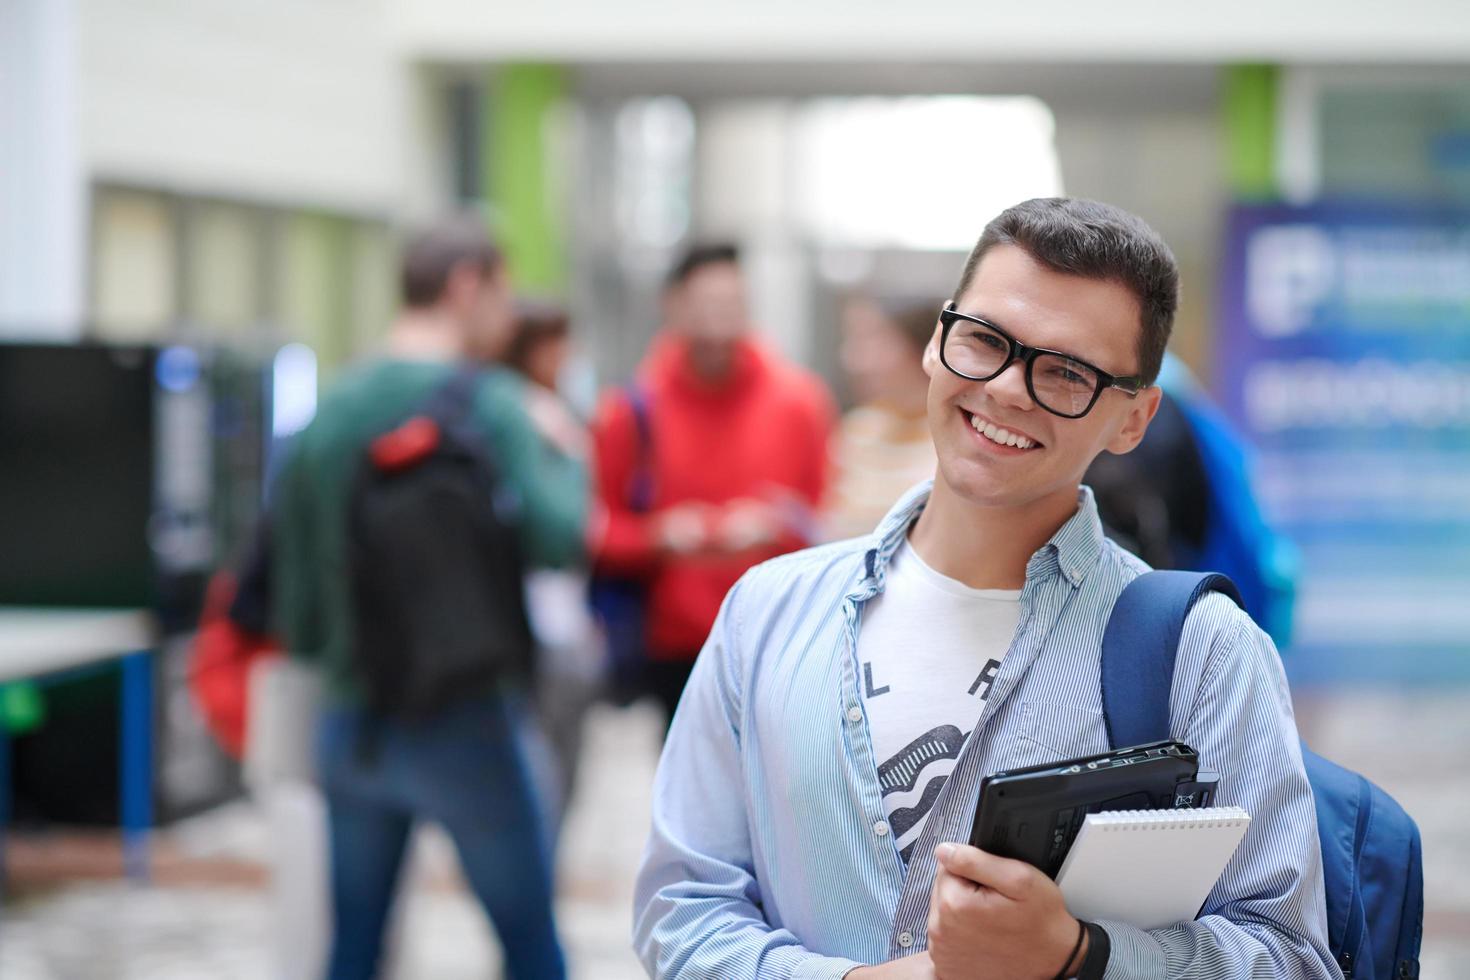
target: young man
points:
(736, 449)
(461, 767)
(815, 797)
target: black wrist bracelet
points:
(1066, 967)
(1095, 963)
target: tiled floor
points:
(211, 915)
(219, 925)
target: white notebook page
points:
(1149, 868)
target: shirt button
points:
(905, 939)
(881, 828)
(854, 714)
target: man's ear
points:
(931, 353)
(462, 285)
(1140, 413)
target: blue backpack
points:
(1238, 541)
(1372, 867)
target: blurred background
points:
(200, 209)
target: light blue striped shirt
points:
(769, 855)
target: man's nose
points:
(1009, 387)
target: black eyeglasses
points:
(978, 350)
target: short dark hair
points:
(536, 323)
(434, 252)
(697, 257)
(1096, 241)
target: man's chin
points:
(712, 361)
(979, 482)
(973, 484)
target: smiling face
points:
(996, 446)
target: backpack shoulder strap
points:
(453, 399)
(1138, 649)
(640, 487)
(451, 405)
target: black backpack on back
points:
(435, 563)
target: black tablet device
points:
(1033, 814)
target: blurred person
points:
(815, 798)
(571, 667)
(1154, 501)
(729, 441)
(460, 764)
(1190, 501)
(882, 445)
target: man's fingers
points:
(954, 892)
(1011, 878)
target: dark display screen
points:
(76, 475)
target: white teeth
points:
(996, 434)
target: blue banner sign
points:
(1344, 356)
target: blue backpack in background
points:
(621, 604)
(1238, 540)
(1372, 866)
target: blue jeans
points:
(465, 771)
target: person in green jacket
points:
(463, 768)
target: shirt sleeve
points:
(1266, 916)
(697, 909)
(552, 486)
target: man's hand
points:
(698, 530)
(916, 967)
(994, 917)
(683, 529)
(748, 523)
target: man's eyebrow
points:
(996, 323)
(1012, 331)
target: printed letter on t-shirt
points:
(986, 678)
(868, 680)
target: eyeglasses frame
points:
(1130, 385)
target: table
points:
(48, 644)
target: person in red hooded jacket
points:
(735, 455)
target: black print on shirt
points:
(986, 679)
(868, 681)
(907, 770)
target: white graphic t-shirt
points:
(928, 652)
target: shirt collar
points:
(1071, 551)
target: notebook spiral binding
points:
(1125, 820)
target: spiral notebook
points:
(1149, 868)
